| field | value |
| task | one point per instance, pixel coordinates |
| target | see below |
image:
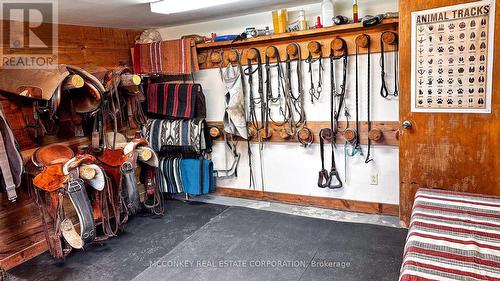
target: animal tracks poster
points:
(452, 58)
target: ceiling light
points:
(177, 6)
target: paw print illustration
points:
(481, 68)
(449, 101)
(429, 81)
(451, 26)
(461, 48)
(450, 91)
(459, 101)
(429, 100)
(461, 36)
(420, 101)
(462, 25)
(482, 58)
(441, 27)
(431, 49)
(472, 58)
(440, 70)
(480, 101)
(481, 79)
(471, 90)
(471, 80)
(440, 38)
(439, 91)
(440, 61)
(480, 90)
(451, 49)
(483, 34)
(440, 49)
(430, 71)
(460, 91)
(440, 80)
(472, 35)
(472, 69)
(459, 80)
(471, 100)
(450, 80)
(472, 47)
(431, 27)
(450, 71)
(439, 101)
(461, 70)
(482, 46)
(450, 60)
(461, 59)
(472, 23)
(451, 38)
(429, 92)
(420, 92)
(483, 22)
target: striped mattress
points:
(453, 236)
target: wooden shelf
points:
(332, 30)
(324, 36)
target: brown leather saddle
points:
(46, 90)
(120, 164)
(60, 177)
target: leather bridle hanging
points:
(389, 38)
(338, 51)
(314, 47)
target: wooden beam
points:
(313, 201)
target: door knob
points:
(406, 124)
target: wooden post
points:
(130, 80)
(73, 81)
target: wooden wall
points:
(21, 231)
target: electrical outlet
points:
(374, 179)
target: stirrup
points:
(334, 174)
(323, 179)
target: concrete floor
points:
(237, 240)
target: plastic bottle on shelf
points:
(302, 20)
(327, 12)
(355, 11)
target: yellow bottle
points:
(282, 20)
(276, 22)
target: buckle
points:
(75, 185)
(11, 192)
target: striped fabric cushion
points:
(453, 236)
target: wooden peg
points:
(215, 58)
(314, 47)
(337, 44)
(252, 54)
(375, 135)
(363, 41)
(266, 135)
(271, 52)
(350, 135)
(130, 80)
(214, 132)
(252, 132)
(202, 58)
(87, 172)
(389, 37)
(292, 50)
(144, 154)
(282, 132)
(233, 56)
(73, 81)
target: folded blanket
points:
(173, 57)
(162, 134)
(175, 100)
(197, 176)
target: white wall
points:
(288, 167)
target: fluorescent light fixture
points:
(177, 6)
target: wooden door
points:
(445, 150)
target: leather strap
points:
(80, 200)
(10, 187)
(130, 193)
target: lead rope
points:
(368, 158)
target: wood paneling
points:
(389, 131)
(324, 36)
(445, 150)
(21, 230)
(313, 201)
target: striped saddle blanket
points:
(176, 100)
(164, 135)
(453, 236)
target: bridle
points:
(383, 89)
(328, 179)
(315, 92)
